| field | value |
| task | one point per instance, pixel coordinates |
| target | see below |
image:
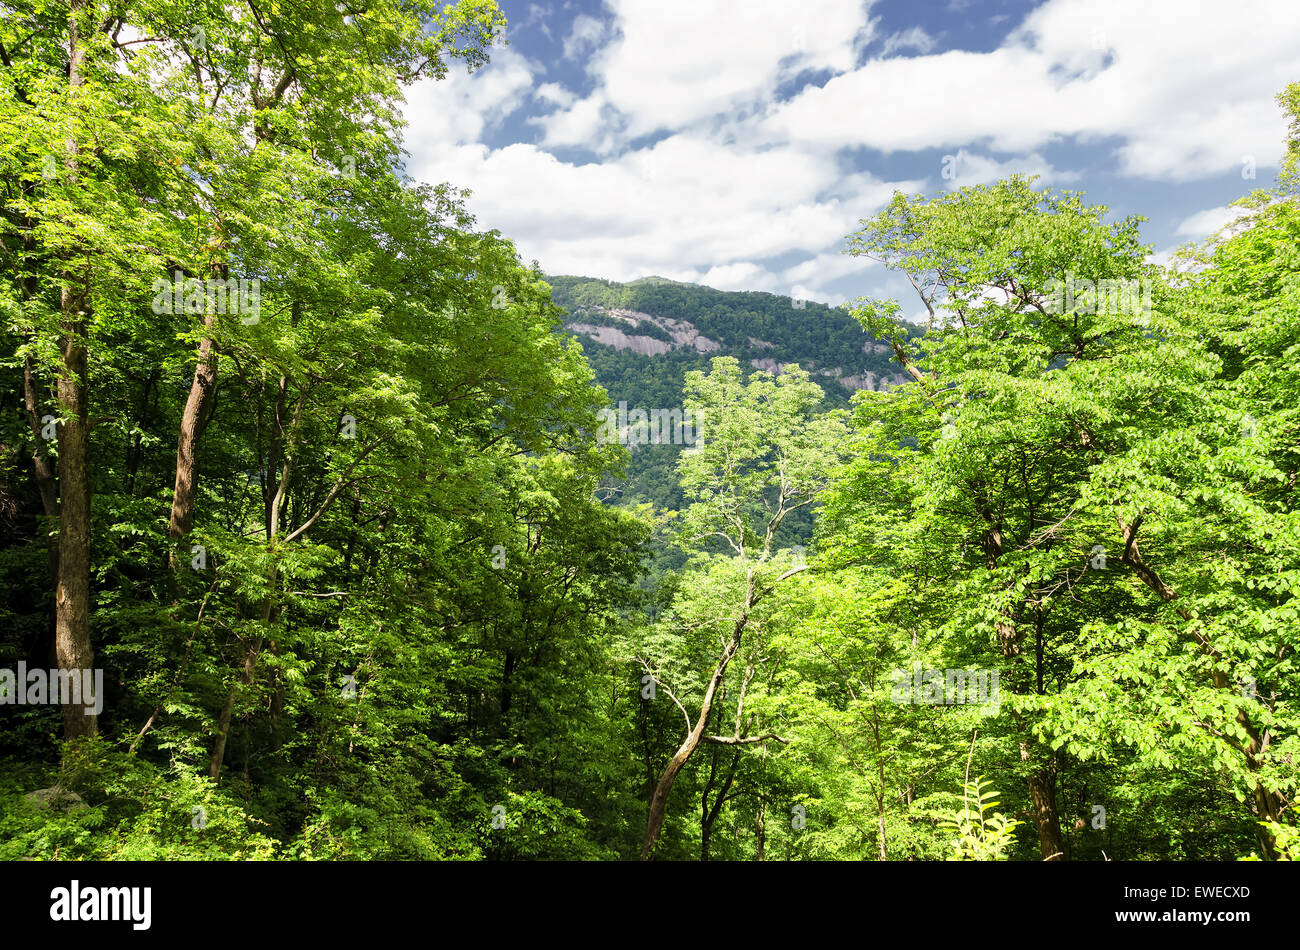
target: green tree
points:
(1068, 476)
(763, 453)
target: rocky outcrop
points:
(867, 380)
(612, 336)
(681, 332)
(768, 365)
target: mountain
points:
(642, 337)
(665, 323)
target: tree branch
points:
(750, 740)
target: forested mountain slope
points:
(317, 543)
(642, 337)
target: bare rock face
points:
(612, 336)
(865, 381)
(56, 797)
(681, 332)
(768, 365)
(684, 334)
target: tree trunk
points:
(72, 597)
(506, 696)
(880, 821)
(709, 813)
(43, 468)
(1042, 780)
(187, 444)
(227, 709)
(659, 800)
(1042, 805)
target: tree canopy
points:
(304, 484)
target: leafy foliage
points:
(364, 581)
(980, 836)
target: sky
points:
(736, 143)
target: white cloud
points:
(1207, 222)
(827, 266)
(742, 275)
(915, 38)
(964, 169)
(676, 62)
(584, 122)
(585, 34)
(1186, 85)
(686, 208)
(808, 279)
(555, 94)
(748, 192)
(457, 109)
(1169, 257)
(1163, 257)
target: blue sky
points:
(735, 143)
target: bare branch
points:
(342, 483)
(660, 685)
(767, 590)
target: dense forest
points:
(761, 330)
(312, 548)
(749, 326)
